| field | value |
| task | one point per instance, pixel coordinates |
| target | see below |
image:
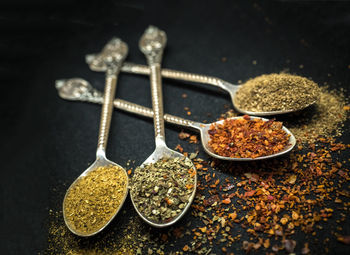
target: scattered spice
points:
(276, 92)
(249, 221)
(324, 119)
(125, 237)
(247, 137)
(183, 135)
(94, 199)
(308, 187)
(162, 190)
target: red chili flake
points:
(183, 135)
(226, 201)
(185, 248)
(266, 243)
(193, 139)
(211, 200)
(179, 148)
(203, 229)
(247, 138)
(344, 239)
(228, 187)
(249, 193)
(232, 216)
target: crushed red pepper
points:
(273, 200)
(247, 137)
(296, 204)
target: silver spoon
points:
(198, 78)
(111, 57)
(152, 45)
(80, 90)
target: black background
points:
(46, 140)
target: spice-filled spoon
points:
(164, 186)
(80, 90)
(297, 94)
(96, 196)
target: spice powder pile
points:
(94, 199)
(162, 190)
(276, 92)
(247, 137)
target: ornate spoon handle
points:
(81, 90)
(111, 59)
(147, 112)
(107, 110)
(152, 44)
(173, 74)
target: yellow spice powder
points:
(93, 199)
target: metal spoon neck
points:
(196, 125)
(112, 72)
(160, 141)
(154, 59)
(100, 152)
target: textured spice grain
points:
(247, 137)
(94, 199)
(300, 187)
(162, 190)
(276, 92)
(324, 119)
(130, 237)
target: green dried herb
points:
(162, 190)
(276, 92)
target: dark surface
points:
(47, 140)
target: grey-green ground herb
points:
(276, 92)
(162, 190)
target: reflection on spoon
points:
(70, 89)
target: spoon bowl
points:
(161, 152)
(205, 138)
(76, 86)
(99, 162)
(232, 90)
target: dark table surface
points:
(47, 141)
